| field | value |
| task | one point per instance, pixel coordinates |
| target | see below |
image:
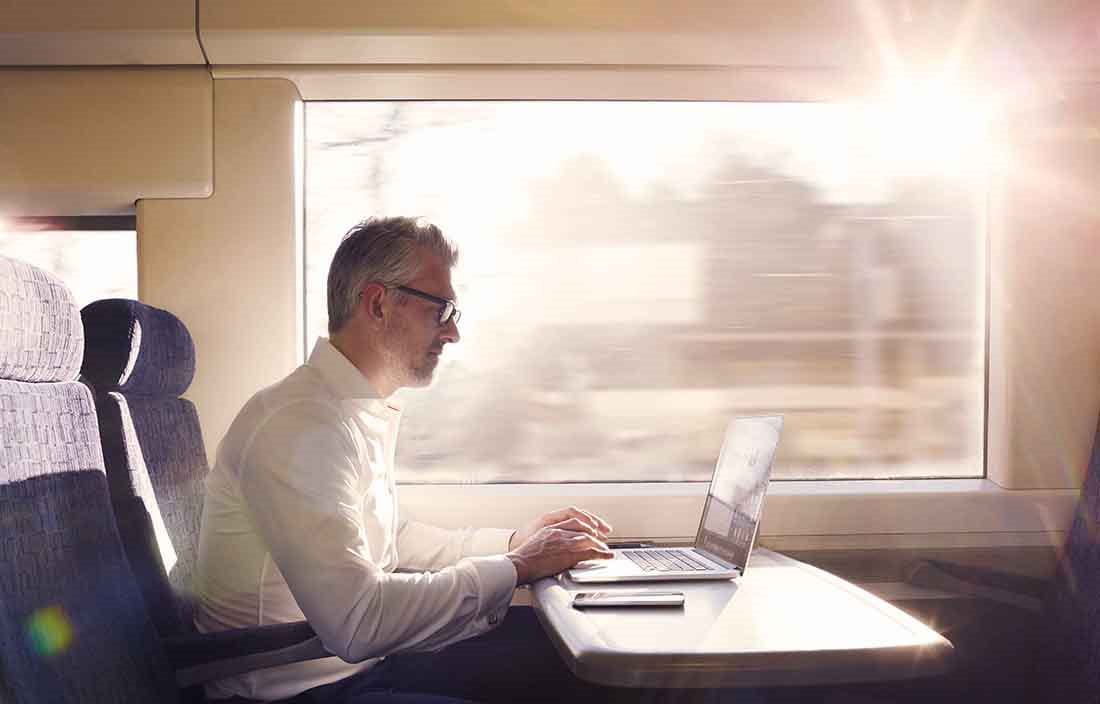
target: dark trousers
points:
(513, 664)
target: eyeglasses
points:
(447, 310)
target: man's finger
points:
(598, 524)
(576, 525)
(591, 540)
(559, 515)
(575, 513)
(602, 526)
(573, 524)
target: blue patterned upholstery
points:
(1028, 640)
(136, 349)
(73, 626)
(41, 338)
(1075, 604)
(138, 360)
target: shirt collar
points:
(345, 381)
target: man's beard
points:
(404, 368)
(415, 366)
(422, 374)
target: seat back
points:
(138, 361)
(1075, 604)
(73, 626)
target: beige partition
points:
(103, 32)
(1044, 359)
(93, 141)
(230, 265)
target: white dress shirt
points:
(300, 522)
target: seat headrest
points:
(136, 349)
(41, 338)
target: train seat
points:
(139, 360)
(1051, 627)
(1074, 604)
(73, 627)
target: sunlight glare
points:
(927, 125)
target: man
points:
(300, 519)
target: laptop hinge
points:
(719, 561)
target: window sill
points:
(797, 514)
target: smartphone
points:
(584, 600)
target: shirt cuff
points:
(497, 575)
(489, 541)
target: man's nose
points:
(450, 332)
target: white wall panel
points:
(995, 38)
(498, 31)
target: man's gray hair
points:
(381, 250)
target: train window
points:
(95, 256)
(633, 274)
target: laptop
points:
(727, 529)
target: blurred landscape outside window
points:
(632, 275)
(93, 263)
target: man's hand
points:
(587, 522)
(555, 548)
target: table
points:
(782, 623)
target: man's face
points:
(415, 339)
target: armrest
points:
(1013, 589)
(201, 657)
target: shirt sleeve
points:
(421, 546)
(300, 479)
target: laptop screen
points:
(731, 513)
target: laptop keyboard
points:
(666, 560)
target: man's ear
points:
(373, 295)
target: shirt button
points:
(493, 619)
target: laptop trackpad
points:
(596, 565)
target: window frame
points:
(807, 514)
(73, 223)
(853, 514)
(77, 224)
